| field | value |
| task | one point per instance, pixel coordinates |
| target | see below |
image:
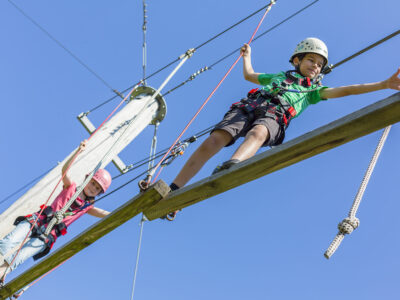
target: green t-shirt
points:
(299, 101)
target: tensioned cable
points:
(214, 90)
(26, 185)
(166, 66)
(159, 154)
(144, 46)
(3, 277)
(76, 58)
(206, 68)
(364, 50)
(131, 167)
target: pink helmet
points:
(103, 178)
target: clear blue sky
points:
(264, 240)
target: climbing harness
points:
(349, 224)
(272, 104)
(183, 57)
(60, 214)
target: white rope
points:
(349, 224)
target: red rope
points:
(212, 93)
(62, 177)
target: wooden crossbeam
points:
(119, 216)
(155, 203)
(344, 130)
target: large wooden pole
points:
(133, 112)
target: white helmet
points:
(311, 45)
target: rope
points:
(62, 177)
(62, 211)
(76, 58)
(265, 32)
(215, 89)
(174, 61)
(143, 219)
(349, 224)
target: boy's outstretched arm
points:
(248, 71)
(393, 82)
(67, 180)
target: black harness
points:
(272, 104)
(41, 223)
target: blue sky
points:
(264, 240)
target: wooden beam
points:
(119, 216)
(344, 130)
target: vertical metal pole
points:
(144, 28)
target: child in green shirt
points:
(263, 116)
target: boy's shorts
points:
(238, 123)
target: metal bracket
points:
(162, 105)
(84, 120)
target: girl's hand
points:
(82, 146)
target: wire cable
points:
(362, 51)
(206, 68)
(169, 64)
(75, 57)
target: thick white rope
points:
(349, 224)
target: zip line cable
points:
(363, 50)
(26, 185)
(213, 91)
(76, 58)
(60, 214)
(3, 277)
(197, 73)
(265, 32)
(153, 147)
(166, 66)
(133, 167)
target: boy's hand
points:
(245, 50)
(394, 81)
(82, 146)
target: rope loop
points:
(59, 216)
(348, 225)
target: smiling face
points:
(311, 64)
(92, 189)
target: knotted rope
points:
(349, 224)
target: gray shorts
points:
(238, 123)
